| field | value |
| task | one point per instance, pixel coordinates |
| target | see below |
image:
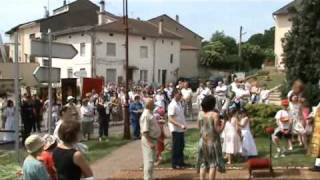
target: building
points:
(99, 37)
(190, 44)
(283, 25)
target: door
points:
(111, 76)
(164, 77)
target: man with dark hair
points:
(177, 126)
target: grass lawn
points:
(9, 165)
(297, 157)
(276, 78)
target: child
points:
(295, 109)
(231, 140)
(249, 148)
(50, 142)
(264, 95)
(33, 169)
(284, 123)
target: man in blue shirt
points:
(136, 109)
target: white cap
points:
(33, 143)
(70, 98)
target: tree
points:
(253, 55)
(212, 52)
(229, 42)
(302, 49)
(265, 40)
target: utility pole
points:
(240, 40)
(50, 81)
(126, 133)
(17, 94)
(3, 50)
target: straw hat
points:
(33, 143)
(49, 140)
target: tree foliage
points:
(229, 42)
(253, 55)
(265, 40)
(302, 48)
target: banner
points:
(90, 84)
(68, 88)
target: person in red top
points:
(46, 155)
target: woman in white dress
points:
(249, 148)
(9, 125)
(231, 139)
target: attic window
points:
(162, 41)
(111, 34)
(70, 37)
(143, 38)
(82, 34)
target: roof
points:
(286, 9)
(137, 27)
(188, 47)
(73, 30)
(165, 15)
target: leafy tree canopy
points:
(229, 42)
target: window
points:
(111, 49)
(171, 43)
(32, 36)
(32, 59)
(45, 62)
(144, 75)
(111, 76)
(82, 49)
(162, 41)
(143, 52)
(143, 38)
(111, 34)
(70, 72)
(171, 58)
(25, 57)
(159, 75)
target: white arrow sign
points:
(40, 48)
(42, 74)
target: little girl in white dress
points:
(249, 148)
(231, 138)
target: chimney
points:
(101, 12)
(64, 2)
(138, 19)
(177, 18)
(46, 12)
(160, 28)
(102, 6)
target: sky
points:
(201, 16)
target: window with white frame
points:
(82, 49)
(143, 52)
(111, 49)
(144, 75)
(70, 72)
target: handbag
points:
(166, 131)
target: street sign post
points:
(40, 48)
(42, 74)
(49, 49)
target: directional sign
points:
(42, 74)
(40, 48)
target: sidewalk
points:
(232, 174)
(127, 157)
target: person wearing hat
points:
(135, 110)
(72, 106)
(33, 169)
(50, 142)
(284, 122)
(87, 118)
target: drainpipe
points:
(154, 60)
(92, 35)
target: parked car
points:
(193, 82)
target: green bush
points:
(262, 116)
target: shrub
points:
(261, 116)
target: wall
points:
(283, 25)
(189, 64)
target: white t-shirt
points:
(221, 90)
(175, 109)
(264, 94)
(87, 110)
(282, 114)
(186, 93)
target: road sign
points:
(81, 73)
(42, 74)
(40, 48)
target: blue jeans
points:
(136, 127)
(177, 149)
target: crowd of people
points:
(222, 119)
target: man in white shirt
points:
(150, 131)
(187, 99)
(220, 94)
(177, 127)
